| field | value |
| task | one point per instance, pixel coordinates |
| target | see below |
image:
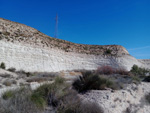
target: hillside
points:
(26, 48)
(16, 32)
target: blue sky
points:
(100, 22)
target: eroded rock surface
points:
(130, 100)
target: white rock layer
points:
(31, 58)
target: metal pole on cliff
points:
(56, 26)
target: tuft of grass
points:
(59, 80)
(51, 93)
(8, 94)
(38, 100)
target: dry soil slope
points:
(26, 48)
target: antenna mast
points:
(56, 26)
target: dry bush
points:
(37, 79)
(121, 72)
(105, 70)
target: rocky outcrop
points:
(26, 48)
(129, 100)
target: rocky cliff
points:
(26, 48)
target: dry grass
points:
(18, 102)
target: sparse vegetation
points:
(18, 101)
(8, 94)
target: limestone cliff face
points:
(26, 48)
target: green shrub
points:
(2, 65)
(108, 51)
(51, 93)
(8, 94)
(139, 71)
(88, 81)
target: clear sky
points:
(100, 22)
